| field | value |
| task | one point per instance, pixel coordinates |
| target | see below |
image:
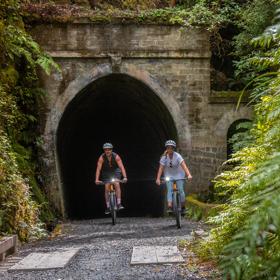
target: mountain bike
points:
(176, 201)
(113, 199)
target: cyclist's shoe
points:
(183, 211)
(120, 207)
(169, 210)
(107, 211)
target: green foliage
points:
(246, 234)
(261, 10)
(19, 100)
(242, 137)
(198, 15)
(18, 212)
(252, 20)
(186, 13)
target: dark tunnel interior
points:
(126, 112)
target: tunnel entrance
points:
(126, 112)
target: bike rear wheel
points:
(177, 208)
(113, 206)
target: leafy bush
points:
(246, 236)
(19, 99)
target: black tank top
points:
(109, 166)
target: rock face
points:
(173, 63)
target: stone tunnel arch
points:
(171, 64)
(229, 117)
(124, 110)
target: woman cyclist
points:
(173, 165)
(109, 166)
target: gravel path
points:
(106, 250)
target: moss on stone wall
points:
(53, 12)
(227, 96)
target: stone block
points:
(44, 261)
(155, 255)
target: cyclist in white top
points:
(173, 165)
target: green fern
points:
(246, 234)
(19, 97)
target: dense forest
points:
(245, 42)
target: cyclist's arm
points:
(98, 168)
(185, 168)
(120, 164)
(160, 171)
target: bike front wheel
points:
(177, 208)
(113, 206)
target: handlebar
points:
(163, 181)
(112, 182)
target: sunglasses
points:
(170, 164)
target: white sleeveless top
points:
(172, 166)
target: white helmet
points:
(107, 146)
(170, 143)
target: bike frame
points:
(113, 203)
(113, 199)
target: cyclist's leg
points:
(118, 195)
(180, 186)
(118, 192)
(118, 175)
(169, 193)
(107, 190)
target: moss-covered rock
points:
(199, 210)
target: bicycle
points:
(176, 201)
(113, 199)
